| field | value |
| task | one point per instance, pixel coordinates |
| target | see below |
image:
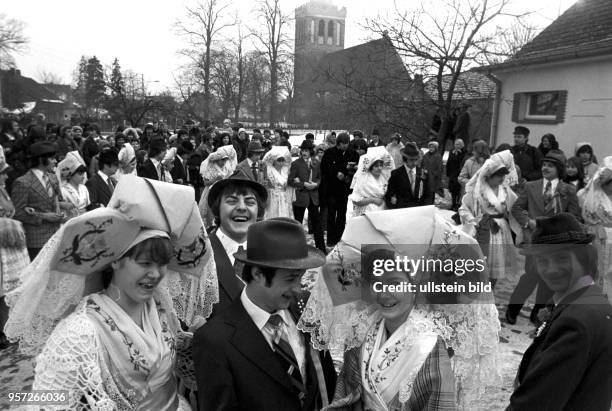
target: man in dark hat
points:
(305, 177)
(544, 197)
(180, 171)
(567, 367)
(252, 356)
(408, 185)
(153, 168)
(527, 157)
(375, 141)
(334, 178)
(252, 167)
(102, 184)
(237, 203)
(283, 140)
(38, 199)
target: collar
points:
(553, 183)
(250, 162)
(408, 169)
(104, 176)
(259, 316)
(582, 282)
(38, 173)
(228, 242)
(155, 162)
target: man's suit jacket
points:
(399, 186)
(530, 203)
(237, 370)
(333, 162)
(567, 367)
(99, 192)
(148, 170)
(28, 191)
(299, 169)
(229, 285)
(179, 171)
(246, 169)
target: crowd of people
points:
(158, 270)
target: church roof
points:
(584, 30)
(17, 90)
(374, 62)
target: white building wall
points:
(588, 115)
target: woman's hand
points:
(376, 200)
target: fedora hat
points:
(237, 178)
(139, 209)
(42, 148)
(307, 145)
(557, 232)
(279, 243)
(255, 147)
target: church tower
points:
(319, 30)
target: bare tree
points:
(257, 87)
(509, 41)
(272, 39)
(48, 77)
(189, 90)
(440, 39)
(223, 75)
(201, 26)
(240, 58)
(12, 40)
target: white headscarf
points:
(596, 204)
(275, 177)
(491, 165)
(363, 178)
(66, 168)
(127, 158)
(209, 170)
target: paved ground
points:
(16, 370)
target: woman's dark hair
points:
(241, 189)
(360, 144)
(585, 149)
(268, 273)
(554, 145)
(63, 131)
(501, 172)
(157, 250)
(140, 156)
(577, 164)
(503, 147)
(80, 169)
(396, 136)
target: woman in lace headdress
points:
(217, 166)
(410, 349)
(71, 173)
(370, 181)
(277, 162)
(127, 161)
(98, 299)
(13, 253)
(596, 203)
(168, 164)
(485, 213)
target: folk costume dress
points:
(212, 172)
(280, 194)
(77, 196)
(412, 369)
(365, 185)
(597, 213)
(486, 216)
(85, 343)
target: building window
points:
(330, 33)
(321, 32)
(312, 31)
(540, 107)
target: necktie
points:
(254, 169)
(111, 184)
(411, 178)
(238, 265)
(548, 199)
(48, 185)
(310, 172)
(285, 354)
(160, 169)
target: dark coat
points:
(148, 170)
(179, 171)
(567, 367)
(90, 149)
(246, 169)
(399, 186)
(99, 192)
(237, 370)
(528, 158)
(454, 164)
(333, 162)
(229, 285)
(299, 169)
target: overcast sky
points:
(141, 32)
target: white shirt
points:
(229, 244)
(157, 165)
(260, 317)
(411, 177)
(104, 177)
(553, 184)
(40, 175)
